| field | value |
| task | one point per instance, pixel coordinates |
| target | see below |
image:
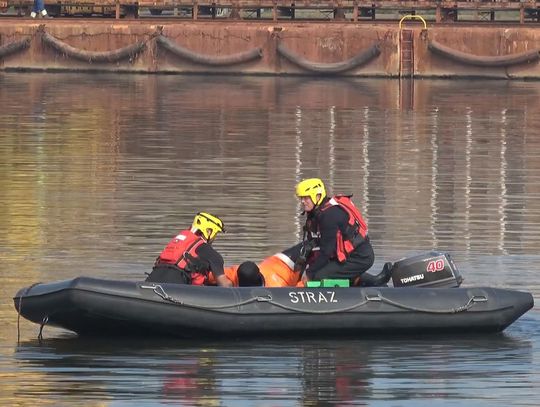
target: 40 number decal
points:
(435, 265)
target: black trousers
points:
(168, 273)
(357, 263)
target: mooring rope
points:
(19, 308)
(160, 291)
(42, 325)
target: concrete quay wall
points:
(270, 48)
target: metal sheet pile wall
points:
(271, 49)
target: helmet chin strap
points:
(318, 203)
(199, 232)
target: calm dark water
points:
(97, 172)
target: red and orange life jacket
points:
(356, 230)
(181, 250)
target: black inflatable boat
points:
(425, 298)
(97, 307)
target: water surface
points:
(97, 172)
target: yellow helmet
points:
(209, 225)
(311, 187)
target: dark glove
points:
(305, 252)
(196, 264)
(300, 264)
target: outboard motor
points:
(432, 269)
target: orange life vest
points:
(180, 251)
(277, 271)
(356, 231)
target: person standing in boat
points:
(336, 243)
(189, 257)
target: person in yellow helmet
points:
(336, 243)
(189, 257)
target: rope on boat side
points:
(474, 299)
(314, 311)
(160, 291)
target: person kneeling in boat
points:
(274, 271)
(336, 243)
(189, 257)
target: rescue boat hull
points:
(97, 307)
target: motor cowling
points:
(432, 269)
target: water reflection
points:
(97, 171)
(450, 159)
(137, 155)
(308, 373)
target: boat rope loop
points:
(225, 60)
(130, 51)
(473, 300)
(14, 47)
(19, 309)
(41, 326)
(330, 68)
(160, 291)
(486, 61)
